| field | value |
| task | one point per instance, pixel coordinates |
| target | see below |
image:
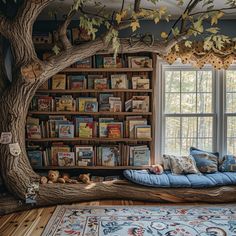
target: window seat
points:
(168, 180)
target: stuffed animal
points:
(53, 177)
(85, 178)
(67, 179)
(156, 169)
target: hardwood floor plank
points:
(4, 220)
(43, 220)
(14, 222)
(27, 223)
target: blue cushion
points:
(207, 162)
(228, 163)
(167, 179)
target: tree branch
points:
(63, 28)
(137, 5)
(213, 10)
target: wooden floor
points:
(33, 222)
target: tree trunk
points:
(16, 172)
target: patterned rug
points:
(142, 221)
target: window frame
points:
(225, 115)
(216, 97)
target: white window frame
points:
(224, 113)
(216, 106)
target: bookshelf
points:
(124, 142)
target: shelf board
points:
(90, 139)
(96, 91)
(87, 113)
(70, 69)
(90, 167)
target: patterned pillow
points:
(228, 163)
(207, 162)
(183, 165)
(166, 162)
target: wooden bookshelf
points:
(78, 70)
(88, 113)
(89, 139)
(124, 94)
(68, 91)
(90, 167)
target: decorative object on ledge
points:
(198, 56)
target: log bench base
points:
(119, 189)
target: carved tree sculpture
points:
(29, 72)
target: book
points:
(84, 63)
(91, 79)
(142, 131)
(65, 103)
(33, 131)
(110, 156)
(101, 83)
(55, 149)
(66, 158)
(103, 122)
(98, 61)
(35, 158)
(109, 62)
(77, 82)
(115, 130)
(84, 155)
(132, 124)
(86, 130)
(90, 106)
(140, 104)
(128, 105)
(119, 81)
(115, 104)
(82, 119)
(44, 103)
(131, 152)
(59, 82)
(104, 101)
(134, 80)
(66, 131)
(141, 157)
(139, 62)
(83, 100)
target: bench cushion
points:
(167, 179)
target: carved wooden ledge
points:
(123, 190)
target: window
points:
(230, 111)
(188, 109)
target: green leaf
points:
(188, 44)
(56, 49)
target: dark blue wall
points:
(228, 27)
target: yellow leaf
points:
(134, 25)
(213, 30)
(162, 11)
(216, 16)
(120, 16)
(176, 47)
(164, 35)
(156, 20)
(188, 44)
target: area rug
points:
(142, 221)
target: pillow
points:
(207, 162)
(228, 163)
(183, 165)
(166, 162)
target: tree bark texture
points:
(51, 194)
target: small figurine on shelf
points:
(85, 178)
(54, 177)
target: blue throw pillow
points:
(207, 162)
(228, 163)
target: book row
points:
(80, 82)
(110, 155)
(86, 127)
(106, 102)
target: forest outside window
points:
(188, 109)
